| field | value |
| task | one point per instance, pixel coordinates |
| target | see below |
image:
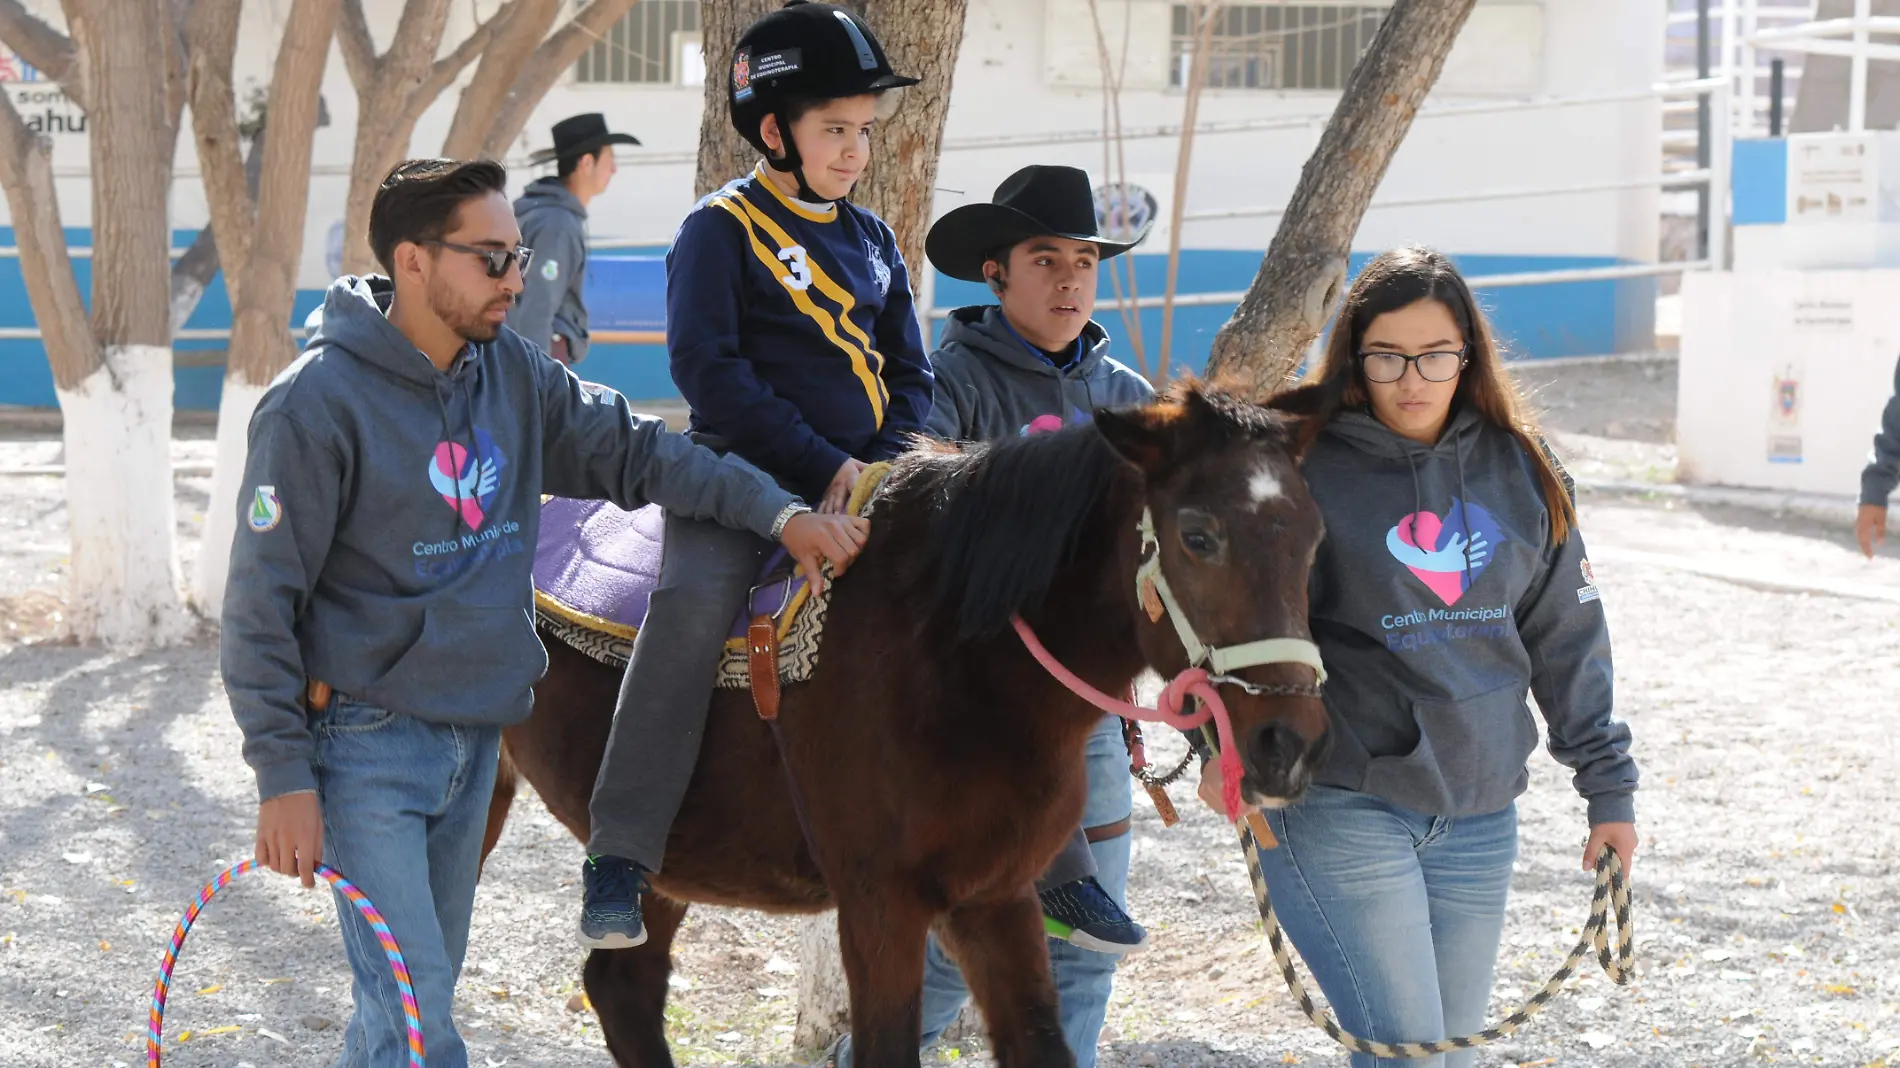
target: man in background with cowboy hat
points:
(552, 214)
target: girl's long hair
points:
(1398, 279)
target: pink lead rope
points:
(1194, 682)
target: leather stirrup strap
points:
(761, 641)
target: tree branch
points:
(26, 173)
(40, 44)
(1304, 271)
(446, 69)
(359, 49)
(501, 64)
(546, 66)
(213, 34)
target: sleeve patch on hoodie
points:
(266, 510)
(550, 269)
(1589, 591)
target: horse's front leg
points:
(1004, 956)
(882, 940)
(628, 989)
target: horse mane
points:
(999, 520)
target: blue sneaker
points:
(1082, 914)
(610, 903)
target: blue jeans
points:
(404, 805)
(1084, 978)
(1397, 914)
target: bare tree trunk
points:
(117, 403)
(502, 65)
(546, 66)
(194, 270)
(922, 38)
(1304, 272)
(261, 345)
(1205, 12)
(26, 172)
(392, 92)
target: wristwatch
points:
(785, 516)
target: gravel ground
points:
(1764, 896)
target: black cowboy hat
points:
(1034, 202)
(581, 135)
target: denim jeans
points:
(1397, 914)
(404, 805)
(1083, 977)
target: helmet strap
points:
(790, 163)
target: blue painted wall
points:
(626, 292)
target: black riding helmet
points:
(807, 51)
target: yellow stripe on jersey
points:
(860, 366)
(828, 214)
(826, 286)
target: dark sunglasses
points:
(498, 259)
(1386, 367)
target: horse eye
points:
(1199, 543)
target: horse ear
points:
(1143, 436)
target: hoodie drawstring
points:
(1418, 495)
(1464, 509)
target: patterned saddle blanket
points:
(596, 565)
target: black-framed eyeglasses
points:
(1385, 367)
(497, 259)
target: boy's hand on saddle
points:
(290, 836)
(813, 539)
(838, 494)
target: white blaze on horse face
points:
(1264, 485)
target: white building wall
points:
(1027, 66)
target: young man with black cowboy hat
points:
(790, 331)
(1035, 361)
(552, 214)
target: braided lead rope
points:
(1621, 968)
(411, 1015)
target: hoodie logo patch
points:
(266, 510)
(550, 270)
(880, 270)
(1440, 553)
(1049, 423)
(468, 481)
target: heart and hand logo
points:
(468, 480)
(1438, 550)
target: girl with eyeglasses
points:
(1452, 585)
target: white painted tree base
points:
(824, 997)
(126, 589)
(214, 552)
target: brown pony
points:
(941, 766)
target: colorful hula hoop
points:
(343, 886)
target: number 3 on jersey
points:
(800, 272)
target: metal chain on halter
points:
(1611, 888)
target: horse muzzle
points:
(1280, 764)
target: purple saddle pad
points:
(600, 563)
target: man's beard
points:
(470, 322)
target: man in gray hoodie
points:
(1882, 474)
(378, 626)
(552, 214)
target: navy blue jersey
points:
(791, 332)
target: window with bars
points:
(656, 43)
(1276, 45)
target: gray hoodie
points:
(554, 224)
(1435, 629)
(1883, 460)
(388, 517)
(990, 383)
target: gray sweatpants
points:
(706, 571)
